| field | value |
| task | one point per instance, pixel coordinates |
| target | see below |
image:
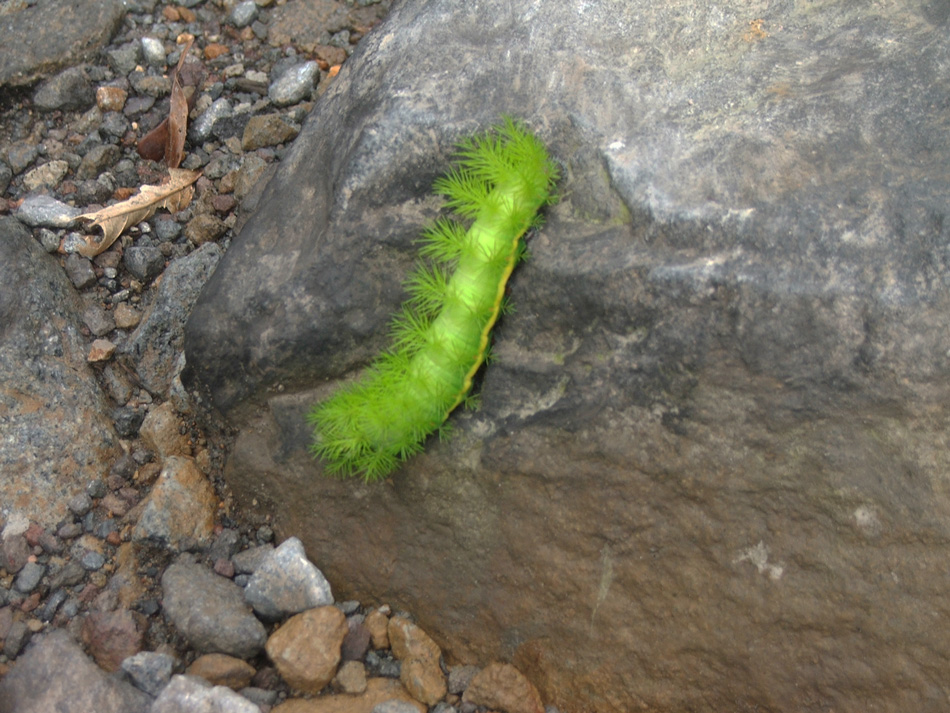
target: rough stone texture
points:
(54, 435)
(186, 694)
(713, 441)
(154, 346)
(378, 690)
(55, 675)
(49, 35)
(111, 637)
(181, 505)
(222, 670)
(210, 612)
(306, 649)
(419, 655)
(502, 687)
(286, 583)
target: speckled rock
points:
(48, 395)
(43, 38)
(181, 505)
(503, 687)
(306, 648)
(286, 582)
(55, 675)
(188, 694)
(210, 611)
(718, 412)
(419, 655)
(378, 690)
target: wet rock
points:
(287, 583)
(98, 159)
(48, 395)
(306, 649)
(111, 98)
(54, 674)
(210, 612)
(149, 671)
(186, 694)
(68, 90)
(201, 128)
(181, 506)
(419, 657)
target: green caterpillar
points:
(441, 337)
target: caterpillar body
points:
(502, 178)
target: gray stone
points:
(44, 211)
(295, 84)
(79, 270)
(124, 59)
(98, 159)
(29, 577)
(209, 611)
(6, 175)
(20, 156)
(55, 675)
(200, 129)
(287, 583)
(712, 434)
(98, 320)
(190, 694)
(149, 671)
(250, 560)
(44, 37)
(47, 175)
(145, 263)
(156, 342)
(244, 13)
(68, 90)
(395, 707)
(48, 394)
(154, 51)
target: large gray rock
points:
(40, 38)
(55, 437)
(55, 675)
(709, 467)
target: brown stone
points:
(222, 670)
(180, 506)
(126, 316)
(101, 350)
(160, 431)
(419, 655)
(111, 636)
(502, 687)
(378, 690)
(306, 649)
(377, 623)
(111, 98)
(351, 678)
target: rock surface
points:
(713, 440)
(41, 683)
(43, 37)
(55, 437)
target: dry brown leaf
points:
(174, 194)
(177, 114)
